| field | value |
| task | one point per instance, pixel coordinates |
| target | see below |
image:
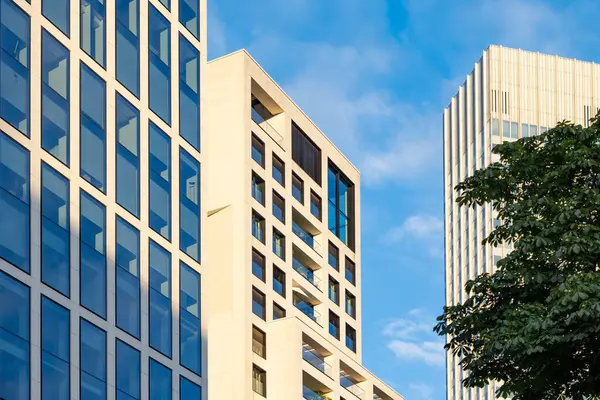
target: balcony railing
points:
(310, 394)
(306, 237)
(352, 386)
(268, 128)
(314, 359)
(308, 310)
(307, 273)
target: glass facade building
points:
(100, 295)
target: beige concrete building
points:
(509, 94)
(283, 242)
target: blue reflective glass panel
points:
(56, 266)
(128, 159)
(128, 278)
(14, 203)
(93, 128)
(14, 66)
(189, 92)
(189, 15)
(56, 339)
(159, 291)
(92, 360)
(189, 324)
(92, 251)
(55, 98)
(14, 339)
(128, 45)
(93, 26)
(189, 390)
(160, 381)
(128, 372)
(189, 196)
(57, 12)
(159, 81)
(160, 181)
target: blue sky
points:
(375, 75)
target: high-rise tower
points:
(510, 94)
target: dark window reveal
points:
(306, 154)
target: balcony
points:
(351, 384)
(261, 114)
(306, 231)
(312, 389)
(312, 356)
(307, 273)
(303, 304)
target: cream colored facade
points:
(234, 350)
(509, 94)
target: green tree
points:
(534, 324)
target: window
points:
(92, 361)
(258, 188)
(298, 188)
(279, 244)
(93, 29)
(279, 281)
(306, 153)
(278, 170)
(56, 266)
(334, 257)
(350, 338)
(57, 12)
(278, 312)
(258, 303)
(128, 158)
(160, 181)
(514, 130)
(495, 127)
(334, 325)
(258, 265)
(259, 342)
(14, 338)
(128, 45)
(160, 381)
(258, 151)
(259, 381)
(315, 205)
(532, 130)
(159, 70)
(128, 371)
(159, 293)
(166, 3)
(55, 98)
(189, 210)
(189, 17)
(127, 277)
(258, 226)
(341, 206)
(188, 389)
(56, 334)
(189, 89)
(14, 66)
(92, 278)
(506, 129)
(93, 128)
(524, 130)
(350, 271)
(14, 203)
(278, 207)
(350, 304)
(189, 318)
(334, 291)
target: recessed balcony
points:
(264, 111)
(307, 306)
(315, 355)
(312, 389)
(306, 231)
(351, 380)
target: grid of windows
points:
(100, 255)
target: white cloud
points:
(413, 339)
(426, 230)
(421, 391)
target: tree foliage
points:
(534, 324)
